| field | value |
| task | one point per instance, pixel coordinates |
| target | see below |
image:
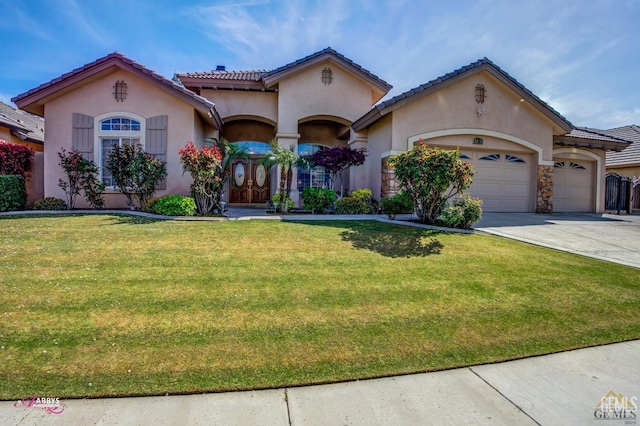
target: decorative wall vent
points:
(481, 93)
(120, 90)
(327, 76)
(478, 141)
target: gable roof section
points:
(484, 64)
(586, 137)
(271, 78)
(217, 79)
(33, 100)
(631, 155)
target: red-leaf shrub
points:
(15, 159)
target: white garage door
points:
(573, 186)
(503, 181)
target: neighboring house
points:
(22, 128)
(627, 162)
(527, 156)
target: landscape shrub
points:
(50, 203)
(318, 199)
(81, 174)
(430, 177)
(364, 194)
(351, 205)
(174, 205)
(277, 200)
(136, 173)
(398, 204)
(462, 213)
(15, 159)
(13, 193)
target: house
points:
(527, 156)
(627, 162)
(22, 128)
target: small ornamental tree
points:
(207, 171)
(81, 174)
(136, 173)
(15, 159)
(430, 177)
(338, 159)
(286, 159)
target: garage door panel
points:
(504, 186)
(574, 186)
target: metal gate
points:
(617, 193)
(635, 195)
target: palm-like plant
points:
(286, 159)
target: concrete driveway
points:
(601, 236)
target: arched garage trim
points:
(599, 168)
(479, 132)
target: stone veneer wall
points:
(389, 187)
(544, 200)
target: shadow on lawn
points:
(123, 219)
(387, 240)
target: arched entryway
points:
(316, 134)
(250, 181)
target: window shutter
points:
(156, 141)
(82, 137)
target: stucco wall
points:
(95, 99)
(234, 103)
(378, 143)
(455, 107)
(304, 95)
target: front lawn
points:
(102, 305)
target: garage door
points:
(573, 186)
(503, 181)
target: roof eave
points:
(589, 143)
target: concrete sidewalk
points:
(558, 389)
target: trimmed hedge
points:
(351, 205)
(174, 205)
(318, 199)
(398, 204)
(50, 203)
(13, 193)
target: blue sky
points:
(580, 56)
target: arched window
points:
(112, 132)
(253, 147)
(316, 177)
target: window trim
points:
(99, 134)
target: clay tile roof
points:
(119, 57)
(386, 106)
(331, 51)
(254, 75)
(22, 124)
(629, 156)
(595, 134)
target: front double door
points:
(250, 182)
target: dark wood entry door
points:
(250, 182)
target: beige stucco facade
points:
(143, 101)
(510, 135)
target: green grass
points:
(135, 306)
